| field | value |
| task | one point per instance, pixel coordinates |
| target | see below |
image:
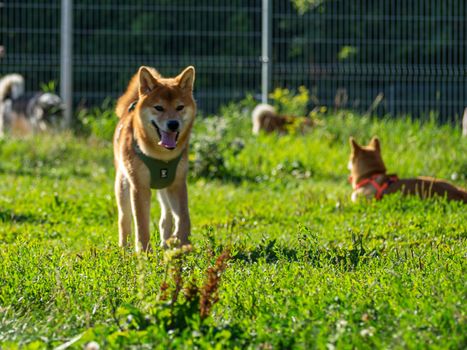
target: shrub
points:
(99, 122)
(211, 146)
(289, 102)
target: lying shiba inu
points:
(264, 117)
(151, 151)
(369, 178)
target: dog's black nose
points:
(173, 125)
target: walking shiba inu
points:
(369, 178)
(151, 151)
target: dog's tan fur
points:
(264, 117)
(132, 182)
(366, 161)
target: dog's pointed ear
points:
(147, 82)
(354, 145)
(186, 79)
(374, 143)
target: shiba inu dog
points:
(264, 117)
(369, 178)
(151, 151)
(25, 114)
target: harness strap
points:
(379, 188)
(132, 106)
(162, 172)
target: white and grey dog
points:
(25, 114)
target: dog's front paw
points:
(143, 249)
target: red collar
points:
(379, 188)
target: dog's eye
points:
(179, 108)
(159, 108)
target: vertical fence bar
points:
(266, 38)
(66, 58)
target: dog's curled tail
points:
(259, 113)
(11, 86)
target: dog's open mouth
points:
(168, 139)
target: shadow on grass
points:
(7, 215)
(231, 178)
(272, 252)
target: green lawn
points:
(307, 268)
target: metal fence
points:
(409, 55)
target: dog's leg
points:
(141, 205)
(122, 194)
(166, 220)
(178, 199)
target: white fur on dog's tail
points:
(258, 113)
(11, 85)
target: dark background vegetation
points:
(345, 52)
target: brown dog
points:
(151, 151)
(264, 117)
(369, 178)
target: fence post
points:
(66, 59)
(266, 46)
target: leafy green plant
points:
(347, 52)
(289, 102)
(99, 122)
(51, 86)
(303, 6)
(211, 146)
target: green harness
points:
(162, 172)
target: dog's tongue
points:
(168, 139)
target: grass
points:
(308, 268)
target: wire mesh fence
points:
(408, 56)
(30, 37)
